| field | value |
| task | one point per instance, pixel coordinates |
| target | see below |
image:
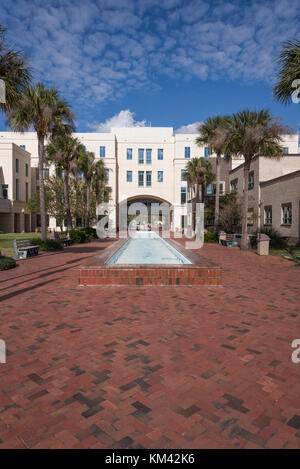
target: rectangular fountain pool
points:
(147, 247)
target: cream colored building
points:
(144, 164)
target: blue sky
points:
(168, 62)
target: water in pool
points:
(147, 247)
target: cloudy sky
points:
(164, 62)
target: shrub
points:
(7, 263)
(48, 245)
(211, 237)
(276, 240)
(91, 232)
(79, 236)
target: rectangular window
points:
(187, 152)
(129, 176)
(17, 165)
(183, 196)
(268, 216)
(141, 178)
(160, 176)
(286, 214)
(23, 146)
(107, 174)
(4, 191)
(102, 152)
(17, 189)
(182, 175)
(286, 150)
(129, 153)
(148, 178)
(141, 156)
(26, 191)
(160, 154)
(234, 185)
(209, 189)
(26, 169)
(206, 152)
(45, 173)
(148, 156)
(251, 180)
(250, 216)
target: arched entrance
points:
(151, 211)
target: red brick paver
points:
(153, 367)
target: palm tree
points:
(63, 150)
(15, 73)
(99, 181)
(289, 70)
(41, 108)
(215, 132)
(254, 134)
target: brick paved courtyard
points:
(152, 367)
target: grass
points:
(6, 241)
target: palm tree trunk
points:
(88, 203)
(41, 150)
(244, 241)
(67, 199)
(217, 199)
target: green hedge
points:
(211, 237)
(48, 245)
(276, 240)
(7, 263)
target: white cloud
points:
(189, 128)
(123, 119)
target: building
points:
(146, 164)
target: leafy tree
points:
(198, 172)
(289, 71)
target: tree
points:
(199, 172)
(15, 73)
(63, 150)
(254, 134)
(289, 71)
(215, 132)
(41, 108)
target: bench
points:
(65, 240)
(230, 240)
(24, 249)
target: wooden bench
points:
(65, 240)
(230, 240)
(24, 249)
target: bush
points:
(79, 236)
(48, 245)
(7, 263)
(276, 240)
(91, 232)
(211, 237)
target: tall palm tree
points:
(41, 108)
(99, 181)
(63, 150)
(87, 166)
(199, 173)
(215, 132)
(254, 134)
(15, 73)
(289, 70)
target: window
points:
(234, 185)
(187, 152)
(26, 169)
(102, 152)
(222, 188)
(129, 153)
(148, 156)
(183, 195)
(209, 189)
(4, 191)
(141, 178)
(23, 146)
(26, 191)
(250, 216)
(17, 165)
(206, 152)
(182, 175)
(45, 173)
(129, 176)
(107, 174)
(251, 180)
(268, 216)
(141, 156)
(286, 150)
(160, 154)
(286, 214)
(160, 176)
(148, 178)
(17, 189)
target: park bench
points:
(65, 240)
(24, 249)
(230, 240)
